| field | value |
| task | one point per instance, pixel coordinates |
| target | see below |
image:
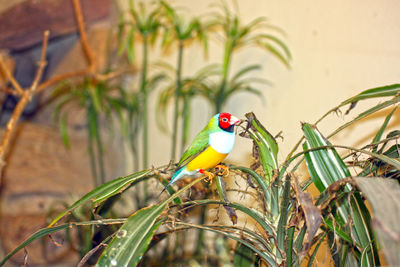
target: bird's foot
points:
(209, 176)
(222, 170)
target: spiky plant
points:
(288, 225)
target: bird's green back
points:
(200, 142)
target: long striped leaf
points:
(366, 113)
(379, 134)
(49, 230)
(132, 239)
(38, 234)
(267, 149)
(105, 191)
(382, 91)
(326, 167)
(267, 146)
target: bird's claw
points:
(222, 170)
(209, 176)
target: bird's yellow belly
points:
(207, 159)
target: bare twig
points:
(61, 77)
(25, 97)
(10, 77)
(83, 37)
(86, 48)
(9, 90)
(41, 64)
(26, 94)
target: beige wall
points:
(339, 48)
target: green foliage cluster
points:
(290, 225)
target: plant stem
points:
(92, 153)
(133, 143)
(99, 145)
(143, 91)
(185, 124)
(220, 98)
(177, 96)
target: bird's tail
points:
(177, 175)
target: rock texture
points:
(40, 178)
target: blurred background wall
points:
(339, 48)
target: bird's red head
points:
(226, 121)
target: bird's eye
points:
(225, 120)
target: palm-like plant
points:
(191, 87)
(144, 24)
(236, 36)
(178, 30)
(95, 97)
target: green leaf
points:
(132, 239)
(269, 257)
(245, 70)
(105, 191)
(289, 249)
(267, 146)
(338, 231)
(64, 131)
(366, 113)
(244, 256)
(131, 45)
(387, 90)
(298, 243)
(379, 134)
(258, 179)
(326, 167)
(38, 234)
(49, 230)
(283, 217)
(280, 43)
(278, 54)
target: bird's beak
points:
(234, 120)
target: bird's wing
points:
(199, 144)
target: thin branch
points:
(87, 50)
(84, 42)
(9, 91)
(61, 77)
(10, 77)
(26, 96)
(41, 64)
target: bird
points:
(208, 148)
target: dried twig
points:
(86, 48)
(25, 97)
(83, 37)
(10, 77)
(26, 94)
(41, 64)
